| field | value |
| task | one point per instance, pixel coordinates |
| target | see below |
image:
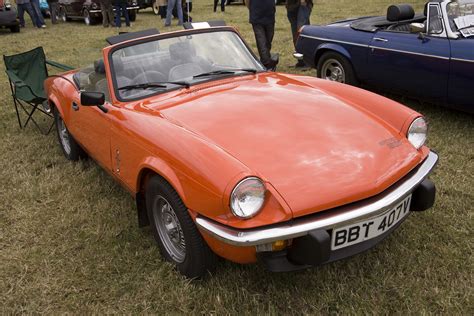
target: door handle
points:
(75, 107)
(380, 39)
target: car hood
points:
(317, 151)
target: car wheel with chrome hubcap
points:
(335, 67)
(70, 147)
(174, 230)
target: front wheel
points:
(15, 29)
(156, 7)
(70, 147)
(177, 236)
(132, 15)
(335, 67)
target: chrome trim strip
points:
(407, 52)
(340, 216)
(332, 40)
(464, 60)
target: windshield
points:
(160, 65)
(461, 17)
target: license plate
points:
(358, 232)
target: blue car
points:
(428, 56)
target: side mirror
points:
(417, 28)
(92, 98)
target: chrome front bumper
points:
(340, 216)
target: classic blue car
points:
(429, 56)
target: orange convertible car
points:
(228, 159)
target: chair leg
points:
(16, 105)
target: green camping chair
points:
(26, 73)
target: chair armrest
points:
(15, 79)
(58, 65)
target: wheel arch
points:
(154, 167)
(331, 47)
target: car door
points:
(89, 124)
(415, 64)
(461, 76)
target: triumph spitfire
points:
(228, 159)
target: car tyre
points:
(335, 67)
(132, 15)
(156, 7)
(174, 230)
(69, 146)
(15, 29)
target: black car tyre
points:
(132, 15)
(335, 67)
(15, 29)
(70, 147)
(174, 230)
(156, 7)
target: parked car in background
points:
(429, 55)
(226, 158)
(89, 10)
(8, 16)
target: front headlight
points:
(247, 198)
(417, 132)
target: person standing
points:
(298, 13)
(53, 10)
(262, 18)
(22, 6)
(107, 12)
(162, 4)
(38, 15)
(222, 5)
(120, 7)
(169, 11)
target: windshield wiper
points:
(224, 72)
(144, 86)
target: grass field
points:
(69, 240)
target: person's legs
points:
(37, 13)
(169, 12)
(223, 5)
(105, 16)
(261, 39)
(179, 8)
(302, 18)
(293, 19)
(125, 13)
(110, 14)
(53, 9)
(21, 14)
(215, 5)
(118, 22)
(31, 13)
(269, 33)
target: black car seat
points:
(402, 14)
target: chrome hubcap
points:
(64, 136)
(332, 70)
(169, 229)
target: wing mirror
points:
(94, 99)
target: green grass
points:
(69, 240)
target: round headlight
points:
(247, 198)
(417, 132)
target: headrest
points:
(99, 66)
(182, 51)
(400, 12)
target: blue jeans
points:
(169, 11)
(298, 18)
(37, 11)
(119, 9)
(21, 13)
